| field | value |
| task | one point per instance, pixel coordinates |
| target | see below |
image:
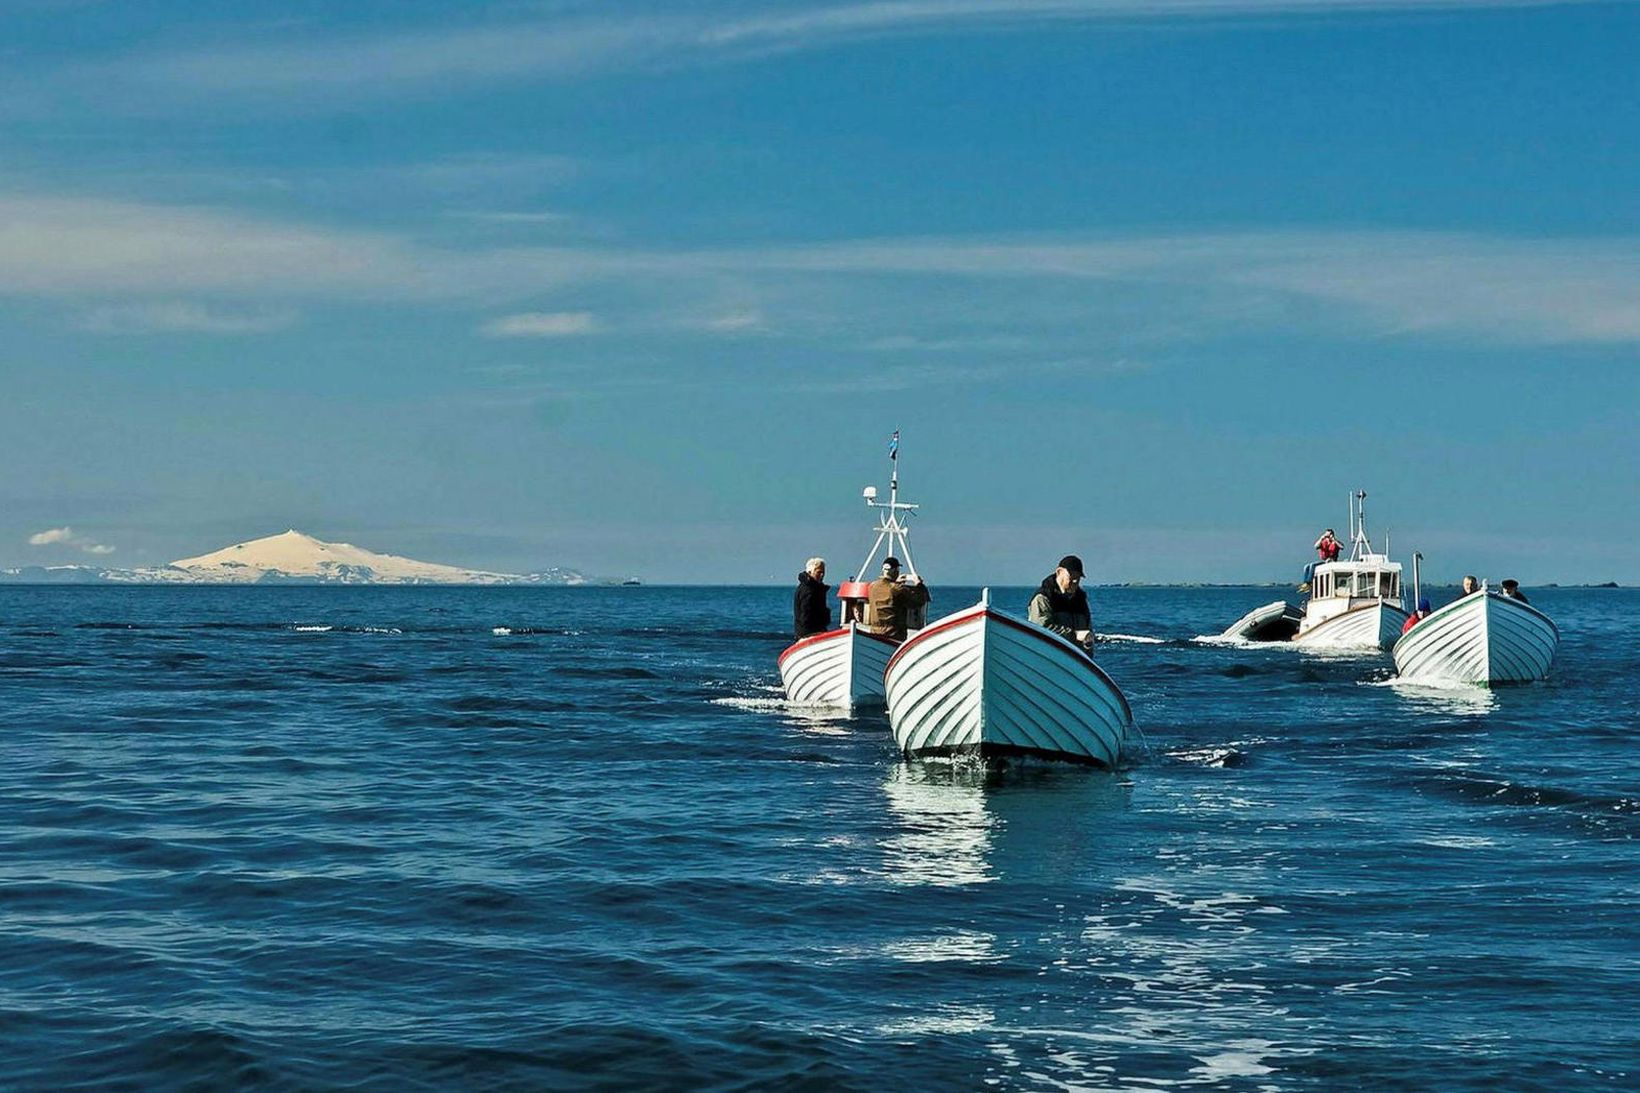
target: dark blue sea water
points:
(550, 838)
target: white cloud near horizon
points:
(541, 324)
(246, 270)
(328, 73)
(66, 536)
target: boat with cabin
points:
(985, 683)
(843, 668)
(1356, 603)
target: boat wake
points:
(1138, 639)
(1231, 641)
(1445, 696)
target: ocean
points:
(555, 838)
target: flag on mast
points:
(894, 445)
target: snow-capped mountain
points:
(292, 557)
(295, 556)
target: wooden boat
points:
(843, 668)
(839, 668)
(983, 682)
(1483, 638)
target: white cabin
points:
(1366, 578)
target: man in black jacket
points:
(810, 612)
(1060, 604)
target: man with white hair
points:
(810, 612)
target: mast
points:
(1360, 545)
(891, 528)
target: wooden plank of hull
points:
(1370, 626)
(841, 668)
(982, 682)
(1482, 638)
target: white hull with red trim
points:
(982, 682)
(1481, 638)
(1375, 624)
(839, 668)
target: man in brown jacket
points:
(892, 600)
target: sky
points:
(643, 289)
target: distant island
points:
(295, 558)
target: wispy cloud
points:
(75, 245)
(324, 72)
(183, 317)
(242, 270)
(504, 217)
(66, 536)
(541, 324)
(735, 322)
(911, 377)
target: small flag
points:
(894, 445)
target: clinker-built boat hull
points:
(981, 682)
(1482, 638)
(839, 668)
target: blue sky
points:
(640, 288)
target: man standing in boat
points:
(893, 600)
(1061, 605)
(810, 613)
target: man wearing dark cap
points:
(894, 601)
(1060, 604)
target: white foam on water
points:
(1247, 1062)
(501, 631)
(313, 629)
(1207, 757)
(1231, 640)
(1137, 638)
(1459, 842)
(757, 704)
(382, 630)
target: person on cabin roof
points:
(1471, 583)
(1061, 605)
(1511, 588)
(1327, 549)
(892, 600)
(810, 613)
(1417, 616)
